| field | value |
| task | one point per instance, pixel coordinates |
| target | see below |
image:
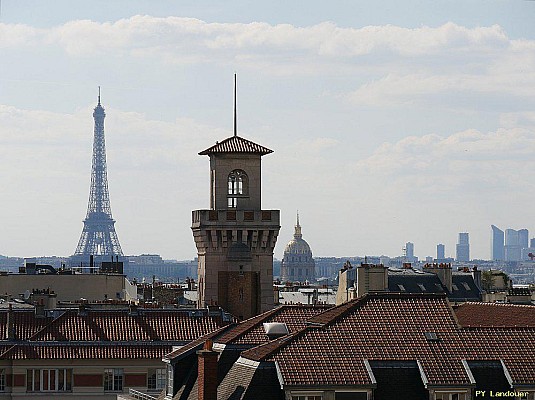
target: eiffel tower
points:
(98, 235)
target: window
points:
(48, 380)
(466, 285)
(113, 379)
(156, 379)
(2, 380)
(237, 187)
(315, 397)
(422, 287)
(450, 396)
(170, 374)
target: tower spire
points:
(235, 111)
(297, 232)
(99, 95)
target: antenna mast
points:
(235, 112)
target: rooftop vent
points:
(275, 330)
(431, 337)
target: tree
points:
(487, 280)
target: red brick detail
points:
(135, 379)
(88, 380)
(19, 380)
(207, 376)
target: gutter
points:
(279, 375)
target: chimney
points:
(40, 307)
(207, 375)
(10, 324)
(476, 274)
(133, 310)
(443, 270)
(82, 310)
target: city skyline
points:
(387, 127)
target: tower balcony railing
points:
(216, 217)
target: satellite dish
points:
(27, 294)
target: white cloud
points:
(464, 161)
(171, 34)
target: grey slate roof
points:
(236, 144)
(411, 281)
(464, 288)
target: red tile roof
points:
(196, 344)
(149, 325)
(495, 315)
(251, 331)
(35, 351)
(236, 144)
(382, 327)
(105, 333)
(25, 324)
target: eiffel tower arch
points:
(98, 236)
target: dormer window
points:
(238, 186)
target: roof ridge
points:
(252, 322)
(198, 342)
(52, 322)
(8, 351)
(272, 347)
(334, 314)
(470, 303)
(236, 144)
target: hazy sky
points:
(390, 121)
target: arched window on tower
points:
(238, 186)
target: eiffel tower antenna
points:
(98, 235)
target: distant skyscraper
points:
(523, 238)
(98, 235)
(515, 241)
(532, 243)
(496, 244)
(441, 251)
(463, 247)
(409, 250)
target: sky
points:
(390, 121)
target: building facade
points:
(297, 263)
(94, 354)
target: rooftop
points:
(333, 348)
(236, 144)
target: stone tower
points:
(235, 238)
